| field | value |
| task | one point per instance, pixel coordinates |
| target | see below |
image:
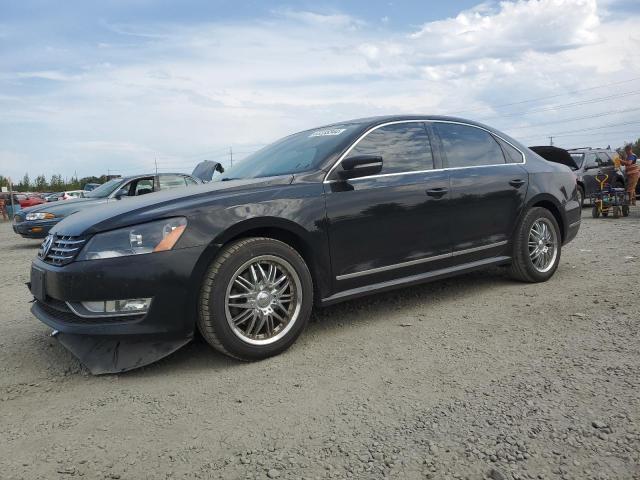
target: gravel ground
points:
(475, 377)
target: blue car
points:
(35, 222)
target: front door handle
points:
(516, 182)
(437, 192)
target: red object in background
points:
(30, 201)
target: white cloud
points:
(178, 90)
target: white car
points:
(68, 195)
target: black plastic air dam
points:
(103, 355)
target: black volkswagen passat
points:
(318, 217)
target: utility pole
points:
(551, 141)
(231, 156)
(156, 161)
(13, 211)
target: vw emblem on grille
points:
(46, 246)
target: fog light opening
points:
(131, 305)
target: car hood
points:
(64, 208)
(164, 204)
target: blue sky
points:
(119, 85)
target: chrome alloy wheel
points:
(543, 245)
(263, 300)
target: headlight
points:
(40, 216)
(136, 240)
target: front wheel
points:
(256, 299)
(536, 247)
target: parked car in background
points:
(71, 194)
(17, 197)
(90, 186)
(53, 197)
(321, 216)
(592, 162)
(31, 200)
(37, 221)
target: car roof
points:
(372, 121)
(145, 175)
(589, 149)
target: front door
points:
(487, 189)
(395, 223)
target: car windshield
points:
(299, 152)
(105, 189)
(578, 158)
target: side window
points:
(466, 146)
(604, 160)
(171, 181)
(190, 181)
(512, 154)
(404, 147)
(590, 161)
(143, 187)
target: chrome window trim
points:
(361, 137)
(410, 263)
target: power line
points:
(597, 115)
(565, 105)
(558, 134)
(548, 97)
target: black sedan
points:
(319, 217)
(36, 222)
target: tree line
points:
(57, 183)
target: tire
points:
(523, 266)
(581, 196)
(616, 212)
(260, 335)
(595, 211)
(625, 210)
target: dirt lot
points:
(472, 377)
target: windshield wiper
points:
(226, 179)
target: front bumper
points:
(119, 343)
(166, 277)
(34, 229)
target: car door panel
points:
(382, 223)
(485, 203)
(393, 224)
(487, 193)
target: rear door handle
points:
(516, 182)
(437, 192)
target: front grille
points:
(60, 249)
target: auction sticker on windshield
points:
(327, 132)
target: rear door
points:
(488, 188)
(395, 223)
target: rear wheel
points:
(616, 212)
(625, 210)
(536, 247)
(256, 299)
(595, 211)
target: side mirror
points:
(360, 166)
(123, 192)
